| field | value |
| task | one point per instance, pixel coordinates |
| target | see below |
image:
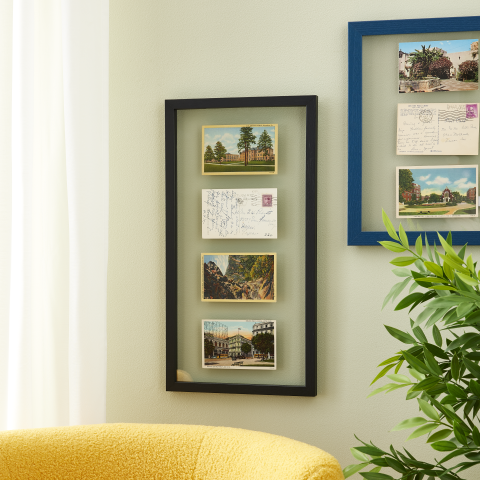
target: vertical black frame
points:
(171, 109)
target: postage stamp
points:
(472, 110)
(267, 200)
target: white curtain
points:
(53, 211)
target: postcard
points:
(438, 66)
(437, 129)
(239, 213)
(240, 149)
(239, 344)
(434, 192)
(239, 277)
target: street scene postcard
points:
(433, 192)
(239, 277)
(240, 149)
(239, 344)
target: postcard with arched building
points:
(438, 66)
(239, 277)
(440, 191)
(239, 344)
(247, 149)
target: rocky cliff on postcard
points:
(239, 277)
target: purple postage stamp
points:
(267, 200)
(472, 110)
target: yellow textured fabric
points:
(159, 452)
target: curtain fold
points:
(55, 319)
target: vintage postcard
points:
(240, 149)
(437, 129)
(239, 277)
(433, 192)
(438, 66)
(239, 213)
(239, 344)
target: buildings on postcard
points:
(472, 194)
(254, 154)
(455, 57)
(413, 195)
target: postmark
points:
(425, 116)
(267, 200)
(472, 110)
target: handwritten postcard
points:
(239, 344)
(437, 129)
(239, 213)
(434, 192)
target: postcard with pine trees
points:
(239, 149)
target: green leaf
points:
(476, 436)
(400, 288)
(359, 455)
(402, 272)
(395, 464)
(431, 362)
(403, 261)
(436, 437)
(427, 312)
(444, 446)
(382, 373)
(459, 435)
(474, 387)
(461, 252)
(436, 316)
(410, 423)
(399, 335)
(403, 236)
(352, 469)
(449, 249)
(455, 367)
(418, 332)
(418, 246)
(473, 368)
(426, 384)
(442, 287)
(427, 247)
(431, 280)
(468, 280)
(392, 246)
(437, 336)
(470, 264)
(456, 391)
(371, 450)
(388, 225)
(399, 378)
(453, 264)
(376, 476)
(414, 373)
(393, 290)
(408, 300)
(390, 360)
(381, 389)
(415, 363)
(460, 341)
(434, 268)
(428, 410)
(423, 430)
(449, 238)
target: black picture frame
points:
(356, 32)
(309, 389)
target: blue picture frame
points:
(356, 32)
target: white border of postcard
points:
(226, 362)
(275, 148)
(434, 180)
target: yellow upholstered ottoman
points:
(159, 452)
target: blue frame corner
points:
(356, 32)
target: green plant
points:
(420, 60)
(443, 374)
(469, 70)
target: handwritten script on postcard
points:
(437, 129)
(239, 213)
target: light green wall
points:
(221, 48)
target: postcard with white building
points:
(249, 149)
(438, 66)
(239, 344)
(434, 192)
